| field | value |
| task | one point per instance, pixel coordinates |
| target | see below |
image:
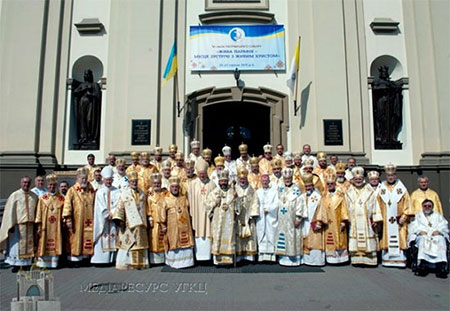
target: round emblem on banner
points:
(237, 34)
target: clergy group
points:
(279, 207)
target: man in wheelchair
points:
(429, 241)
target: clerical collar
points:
(205, 181)
(52, 193)
(391, 183)
(332, 191)
(424, 190)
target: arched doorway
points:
(234, 123)
(230, 115)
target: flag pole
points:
(298, 78)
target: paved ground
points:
(334, 288)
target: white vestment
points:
(308, 157)
(431, 248)
(266, 223)
(394, 256)
(105, 233)
(120, 181)
(291, 207)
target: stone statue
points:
(87, 108)
(387, 110)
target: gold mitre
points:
(132, 175)
(82, 172)
(51, 178)
(287, 156)
(276, 163)
(254, 160)
(331, 177)
(321, 156)
(201, 165)
(223, 175)
(242, 172)
(134, 155)
(307, 179)
(297, 155)
(166, 164)
(173, 148)
(226, 150)
(156, 177)
(121, 161)
(158, 150)
(145, 156)
(267, 148)
(207, 152)
(340, 167)
(243, 148)
(195, 144)
(373, 174)
(358, 171)
(309, 163)
(190, 163)
(390, 169)
(174, 180)
(219, 160)
(287, 172)
(179, 156)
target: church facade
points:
(46, 47)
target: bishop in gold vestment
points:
(336, 230)
(155, 201)
(221, 207)
(175, 220)
(247, 211)
(131, 218)
(17, 228)
(144, 180)
(78, 215)
(49, 221)
(197, 194)
(314, 225)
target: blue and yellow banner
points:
(252, 47)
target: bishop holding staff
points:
(246, 214)
(49, 221)
(130, 216)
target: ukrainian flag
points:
(172, 64)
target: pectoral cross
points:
(392, 220)
(88, 223)
(283, 210)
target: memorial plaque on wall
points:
(333, 132)
(140, 132)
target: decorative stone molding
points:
(89, 26)
(237, 17)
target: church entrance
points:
(231, 115)
(232, 123)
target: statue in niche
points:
(87, 107)
(387, 110)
